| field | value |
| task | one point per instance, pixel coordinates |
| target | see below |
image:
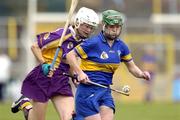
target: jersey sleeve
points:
(49, 39)
(126, 54)
(67, 46)
(84, 48)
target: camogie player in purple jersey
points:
(40, 88)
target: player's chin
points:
(112, 37)
(85, 35)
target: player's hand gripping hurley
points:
(70, 14)
(125, 89)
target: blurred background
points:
(151, 30)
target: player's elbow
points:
(69, 55)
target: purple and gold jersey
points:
(49, 41)
(99, 61)
(41, 88)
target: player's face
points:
(112, 31)
(85, 30)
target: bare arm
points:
(37, 52)
(134, 70)
(73, 62)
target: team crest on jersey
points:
(70, 45)
(46, 36)
(104, 55)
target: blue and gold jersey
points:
(99, 61)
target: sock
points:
(26, 106)
(26, 112)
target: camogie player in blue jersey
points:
(100, 57)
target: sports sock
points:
(26, 106)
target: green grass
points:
(124, 111)
(147, 111)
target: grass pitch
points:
(124, 111)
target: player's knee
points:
(67, 116)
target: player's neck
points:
(110, 42)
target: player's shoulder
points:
(97, 38)
(92, 39)
(58, 31)
(120, 41)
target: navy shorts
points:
(89, 98)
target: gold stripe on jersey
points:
(46, 35)
(48, 55)
(81, 52)
(127, 57)
(49, 51)
(88, 65)
(67, 36)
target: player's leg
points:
(39, 111)
(93, 117)
(106, 113)
(87, 101)
(23, 104)
(107, 107)
(64, 106)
